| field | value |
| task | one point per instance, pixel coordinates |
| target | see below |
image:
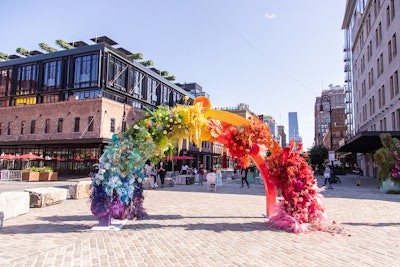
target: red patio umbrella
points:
(58, 159)
(30, 156)
(8, 157)
(176, 157)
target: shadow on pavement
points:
(215, 227)
(43, 228)
(373, 224)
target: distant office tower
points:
(294, 128)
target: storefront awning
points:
(365, 142)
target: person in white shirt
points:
(211, 178)
(327, 175)
(184, 168)
(151, 172)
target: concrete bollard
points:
(1, 219)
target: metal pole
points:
(330, 130)
(124, 120)
(330, 122)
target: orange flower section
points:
(204, 101)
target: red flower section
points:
(302, 208)
(242, 140)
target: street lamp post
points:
(327, 98)
(124, 120)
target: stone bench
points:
(168, 182)
(80, 190)
(46, 196)
(13, 204)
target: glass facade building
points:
(66, 105)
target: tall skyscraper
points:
(294, 128)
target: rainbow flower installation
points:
(117, 186)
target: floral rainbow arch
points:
(117, 187)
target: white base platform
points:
(116, 225)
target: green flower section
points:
(162, 128)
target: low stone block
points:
(147, 183)
(46, 196)
(80, 190)
(168, 182)
(13, 204)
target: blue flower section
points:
(118, 181)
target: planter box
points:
(389, 185)
(30, 176)
(48, 176)
(53, 176)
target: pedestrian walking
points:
(161, 172)
(201, 174)
(357, 171)
(151, 173)
(327, 176)
(218, 172)
(211, 180)
(243, 174)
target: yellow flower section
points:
(194, 123)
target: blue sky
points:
(276, 56)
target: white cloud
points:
(270, 16)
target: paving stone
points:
(188, 226)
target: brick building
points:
(66, 105)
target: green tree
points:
(317, 156)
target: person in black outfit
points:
(243, 174)
(162, 172)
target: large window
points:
(27, 79)
(112, 125)
(88, 94)
(76, 124)
(52, 75)
(86, 71)
(33, 126)
(5, 82)
(47, 126)
(151, 94)
(22, 127)
(60, 125)
(117, 71)
(90, 124)
(136, 81)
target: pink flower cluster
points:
(395, 173)
(301, 209)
